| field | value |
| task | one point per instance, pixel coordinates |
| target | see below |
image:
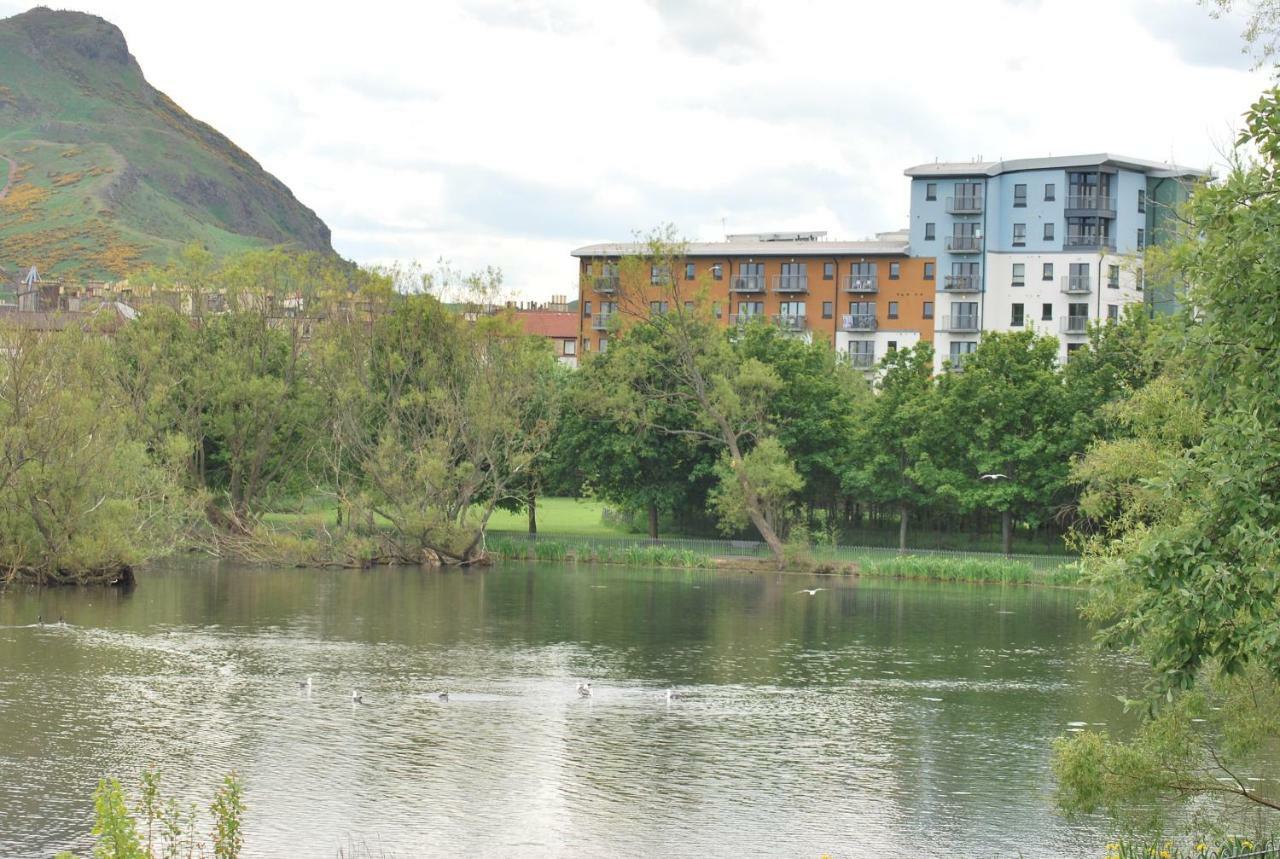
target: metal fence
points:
(758, 549)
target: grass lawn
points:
(569, 517)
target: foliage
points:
(948, 569)
(769, 472)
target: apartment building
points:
(863, 297)
(1044, 244)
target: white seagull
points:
(444, 697)
(810, 591)
(356, 697)
(584, 690)
(673, 695)
(305, 685)
(993, 477)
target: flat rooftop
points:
(890, 245)
(1158, 169)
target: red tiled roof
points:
(549, 323)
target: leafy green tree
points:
(887, 443)
(998, 435)
(1185, 570)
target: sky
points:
(483, 133)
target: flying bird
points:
(993, 477)
(810, 591)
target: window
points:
(1019, 274)
(1142, 238)
(1016, 319)
(828, 271)
(688, 307)
(929, 269)
(792, 313)
(1113, 276)
(895, 270)
(656, 276)
(586, 345)
(828, 309)
(960, 350)
(862, 353)
(1047, 274)
(1113, 312)
(1019, 196)
(1049, 192)
(1019, 235)
(893, 310)
(1046, 312)
(1142, 200)
(657, 308)
(931, 191)
(929, 231)
(1048, 231)
(570, 347)
(717, 271)
(604, 344)
(717, 310)
(586, 308)
(794, 278)
(689, 271)
(747, 309)
(927, 312)
(750, 277)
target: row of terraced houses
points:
(1045, 244)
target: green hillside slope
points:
(103, 172)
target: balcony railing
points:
(966, 205)
(600, 321)
(743, 318)
(1076, 284)
(861, 283)
(1099, 203)
(1074, 324)
(607, 283)
(962, 283)
(958, 360)
(790, 283)
(960, 322)
(1090, 241)
(747, 283)
(865, 360)
(858, 322)
(964, 244)
(789, 322)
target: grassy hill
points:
(104, 172)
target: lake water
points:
(874, 718)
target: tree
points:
(679, 359)
(1003, 416)
(887, 444)
(1185, 570)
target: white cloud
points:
(507, 133)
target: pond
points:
(871, 718)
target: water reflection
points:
(870, 719)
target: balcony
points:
(600, 322)
(960, 323)
(744, 318)
(970, 205)
(958, 359)
(1091, 204)
(1090, 242)
(789, 322)
(862, 360)
(790, 283)
(858, 322)
(607, 283)
(747, 283)
(863, 284)
(1076, 284)
(962, 283)
(964, 244)
(1073, 324)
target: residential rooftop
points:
(1157, 169)
(764, 245)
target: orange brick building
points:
(865, 298)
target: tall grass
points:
(508, 549)
(951, 569)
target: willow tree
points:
(443, 424)
(680, 361)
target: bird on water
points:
(584, 690)
(356, 697)
(444, 697)
(673, 695)
(305, 684)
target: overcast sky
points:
(508, 133)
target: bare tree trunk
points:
(1006, 532)
(533, 512)
(653, 521)
(902, 527)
